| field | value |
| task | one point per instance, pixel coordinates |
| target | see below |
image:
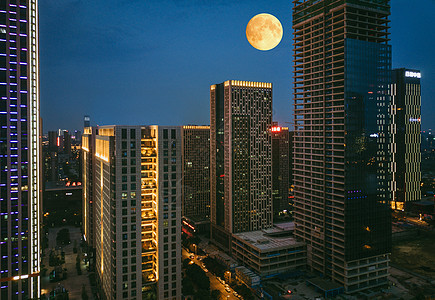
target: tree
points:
(79, 270)
(198, 276)
(150, 294)
(188, 288)
(63, 237)
(202, 295)
(84, 293)
(186, 263)
(215, 295)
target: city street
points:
(214, 283)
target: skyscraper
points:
(241, 160)
(280, 168)
(86, 121)
(53, 141)
(66, 143)
(341, 157)
(19, 150)
(406, 137)
(137, 203)
(161, 209)
(196, 179)
(88, 178)
(196, 172)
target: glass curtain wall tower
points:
(341, 157)
(19, 150)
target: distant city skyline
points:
(124, 71)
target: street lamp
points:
(228, 275)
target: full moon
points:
(264, 32)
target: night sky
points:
(152, 61)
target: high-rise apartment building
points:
(241, 160)
(20, 187)
(405, 112)
(280, 168)
(161, 209)
(88, 179)
(341, 157)
(196, 172)
(118, 212)
(137, 204)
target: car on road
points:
(192, 256)
(228, 289)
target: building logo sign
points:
(411, 74)
(414, 120)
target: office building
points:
(138, 211)
(405, 116)
(53, 141)
(196, 176)
(66, 143)
(249, 278)
(20, 132)
(280, 168)
(50, 155)
(341, 155)
(241, 158)
(86, 121)
(77, 137)
(291, 187)
(271, 251)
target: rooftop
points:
(285, 226)
(262, 240)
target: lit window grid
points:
(14, 86)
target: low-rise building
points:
(225, 260)
(248, 277)
(269, 252)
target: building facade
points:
(118, 212)
(88, 188)
(86, 121)
(341, 156)
(20, 184)
(241, 160)
(161, 210)
(137, 205)
(406, 137)
(269, 252)
(280, 168)
(196, 172)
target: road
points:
(214, 283)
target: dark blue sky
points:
(152, 61)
